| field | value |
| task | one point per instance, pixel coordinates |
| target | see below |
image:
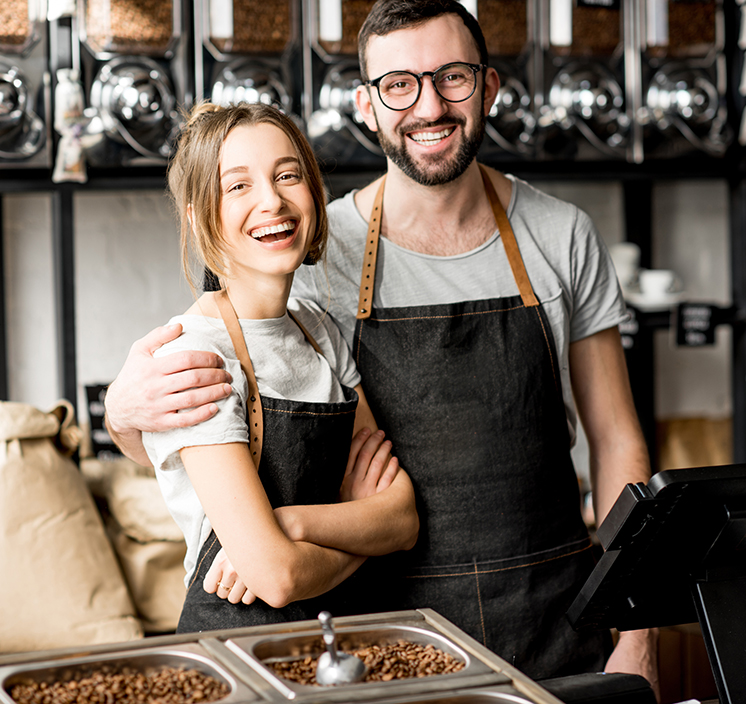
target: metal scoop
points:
(335, 667)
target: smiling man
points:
(482, 315)
(480, 337)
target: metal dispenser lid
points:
(21, 130)
(511, 122)
(337, 108)
(136, 103)
(685, 92)
(250, 82)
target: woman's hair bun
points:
(200, 110)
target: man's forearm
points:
(130, 443)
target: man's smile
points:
(429, 139)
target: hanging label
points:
(695, 324)
(608, 4)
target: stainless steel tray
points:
(187, 655)
(503, 694)
(234, 656)
(422, 627)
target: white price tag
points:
(560, 22)
(221, 19)
(330, 20)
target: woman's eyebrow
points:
(286, 159)
(243, 169)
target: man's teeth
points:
(272, 229)
(430, 138)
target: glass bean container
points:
(18, 26)
(248, 26)
(148, 27)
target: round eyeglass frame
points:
(477, 68)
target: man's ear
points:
(365, 106)
(491, 88)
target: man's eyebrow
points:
(243, 169)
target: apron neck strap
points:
(367, 278)
(511, 246)
(254, 418)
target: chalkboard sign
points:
(695, 324)
(101, 442)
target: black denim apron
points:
(470, 395)
(302, 462)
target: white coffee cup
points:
(626, 258)
(657, 283)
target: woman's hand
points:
(223, 580)
(370, 466)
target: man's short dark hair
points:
(389, 15)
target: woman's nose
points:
(270, 198)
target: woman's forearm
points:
(273, 567)
(377, 525)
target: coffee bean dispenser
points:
(509, 27)
(584, 111)
(248, 51)
(242, 665)
(336, 129)
(682, 78)
(133, 57)
(25, 99)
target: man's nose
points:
(429, 106)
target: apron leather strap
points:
(254, 405)
(511, 246)
(308, 335)
(368, 277)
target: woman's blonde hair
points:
(194, 180)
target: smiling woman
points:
(275, 546)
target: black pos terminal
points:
(674, 553)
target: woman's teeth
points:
(273, 232)
(430, 138)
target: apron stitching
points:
(308, 413)
(549, 347)
(441, 317)
(499, 569)
(359, 343)
(479, 601)
(196, 569)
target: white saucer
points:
(646, 302)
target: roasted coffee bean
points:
(504, 25)
(168, 685)
(691, 29)
(354, 13)
(14, 22)
(129, 23)
(258, 27)
(596, 31)
(396, 661)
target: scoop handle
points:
(330, 637)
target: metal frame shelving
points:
(637, 181)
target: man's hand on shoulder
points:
(149, 393)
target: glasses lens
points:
(455, 82)
(398, 90)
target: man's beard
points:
(436, 170)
